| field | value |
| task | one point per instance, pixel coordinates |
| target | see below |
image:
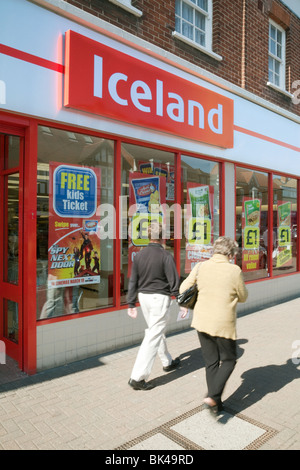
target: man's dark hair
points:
(154, 230)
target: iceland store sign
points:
(110, 83)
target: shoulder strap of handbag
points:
(197, 273)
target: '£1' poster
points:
(199, 220)
(284, 250)
(251, 234)
(74, 227)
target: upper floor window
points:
(276, 55)
(192, 17)
(193, 24)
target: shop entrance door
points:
(11, 245)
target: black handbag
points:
(188, 298)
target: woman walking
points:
(220, 286)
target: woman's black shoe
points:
(214, 409)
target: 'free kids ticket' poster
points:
(74, 246)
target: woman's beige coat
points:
(221, 287)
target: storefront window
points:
(252, 222)
(201, 214)
(75, 191)
(147, 192)
(284, 254)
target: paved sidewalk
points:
(89, 405)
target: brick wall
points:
(240, 36)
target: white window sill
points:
(127, 6)
(281, 90)
(212, 54)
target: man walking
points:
(155, 279)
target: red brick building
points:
(240, 37)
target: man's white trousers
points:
(155, 308)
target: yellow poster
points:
(284, 235)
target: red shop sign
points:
(107, 82)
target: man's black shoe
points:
(141, 385)
(174, 364)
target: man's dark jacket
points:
(153, 272)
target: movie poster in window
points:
(147, 196)
(199, 224)
(74, 225)
(284, 235)
(251, 234)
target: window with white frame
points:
(276, 55)
(193, 24)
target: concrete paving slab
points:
(225, 432)
(198, 429)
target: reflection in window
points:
(12, 151)
(75, 196)
(11, 235)
(11, 321)
(148, 190)
(201, 215)
(284, 225)
(252, 222)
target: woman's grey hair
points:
(226, 246)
